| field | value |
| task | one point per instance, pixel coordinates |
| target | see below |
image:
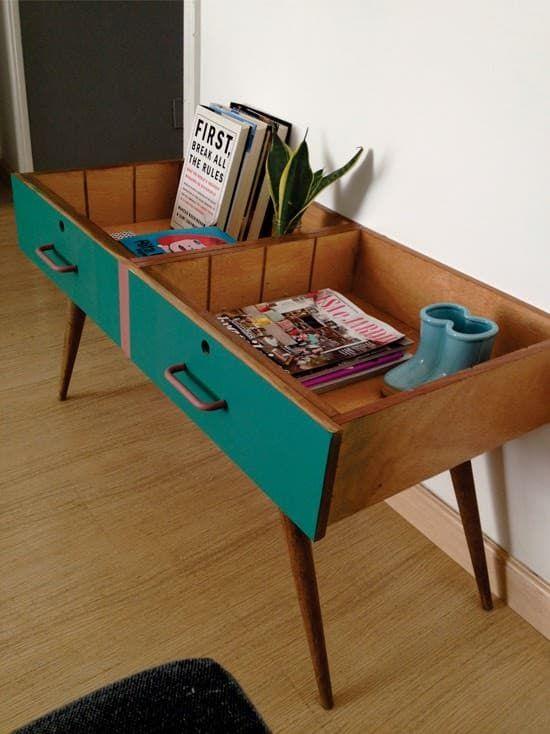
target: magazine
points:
(310, 332)
(345, 374)
(176, 241)
(380, 355)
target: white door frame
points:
(15, 106)
(191, 64)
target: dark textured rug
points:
(195, 695)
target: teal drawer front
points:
(283, 449)
(94, 285)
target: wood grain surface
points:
(69, 185)
(300, 552)
(465, 491)
(401, 281)
(280, 280)
(416, 436)
(156, 186)
(335, 261)
(187, 279)
(236, 279)
(111, 194)
(521, 589)
(73, 333)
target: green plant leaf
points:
(278, 157)
(317, 176)
(294, 186)
(320, 182)
(334, 176)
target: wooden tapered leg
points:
(73, 332)
(465, 491)
(303, 570)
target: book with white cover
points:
(249, 170)
(210, 171)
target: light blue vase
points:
(450, 340)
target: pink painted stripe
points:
(124, 307)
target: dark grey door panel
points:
(101, 78)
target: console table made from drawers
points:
(349, 447)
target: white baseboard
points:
(521, 589)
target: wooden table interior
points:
(385, 279)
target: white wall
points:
(15, 145)
(453, 100)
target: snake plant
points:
(292, 183)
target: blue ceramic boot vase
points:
(450, 340)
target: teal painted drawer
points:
(283, 449)
(93, 285)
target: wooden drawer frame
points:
(499, 400)
(376, 446)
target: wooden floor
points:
(128, 540)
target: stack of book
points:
(321, 338)
(223, 181)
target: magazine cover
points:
(309, 332)
(183, 240)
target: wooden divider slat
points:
(187, 279)
(111, 194)
(317, 216)
(69, 185)
(287, 269)
(334, 261)
(156, 185)
(236, 278)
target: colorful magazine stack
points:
(321, 338)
